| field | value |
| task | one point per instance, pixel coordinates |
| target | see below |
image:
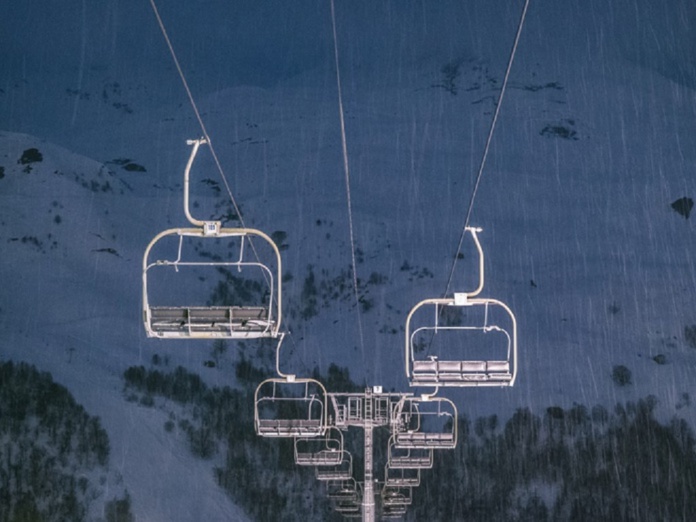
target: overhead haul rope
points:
(488, 145)
(346, 170)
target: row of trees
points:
(49, 446)
(259, 474)
(572, 464)
(563, 464)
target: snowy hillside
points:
(593, 146)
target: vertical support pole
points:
(368, 501)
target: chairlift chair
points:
(290, 407)
(344, 489)
(200, 320)
(401, 477)
(341, 471)
(394, 496)
(320, 451)
(425, 423)
(456, 369)
(494, 323)
(408, 457)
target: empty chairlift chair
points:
(210, 282)
(349, 508)
(408, 457)
(341, 471)
(320, 451)
(347, 499)
(401, 477)
(424, 423)
(249, 304)
(461, 341)
(395, 496)
(290, 408)
(343, 490)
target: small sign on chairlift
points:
(211, 228)
(460, 299)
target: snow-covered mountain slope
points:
(64, 220)
(594, 143)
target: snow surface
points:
(585, 217)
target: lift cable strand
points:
(487, 147)
(347, 178)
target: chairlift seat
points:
(405, 482)
(446, 373)
(327, 457)
(411, 461)
(323, 473)
(421, 440)
(290, 427)
(209, 322)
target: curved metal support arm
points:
(287, 377)
(209, 227)
(474, 233)
(425, 397)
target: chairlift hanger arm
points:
(474, 233)
(187, 174)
